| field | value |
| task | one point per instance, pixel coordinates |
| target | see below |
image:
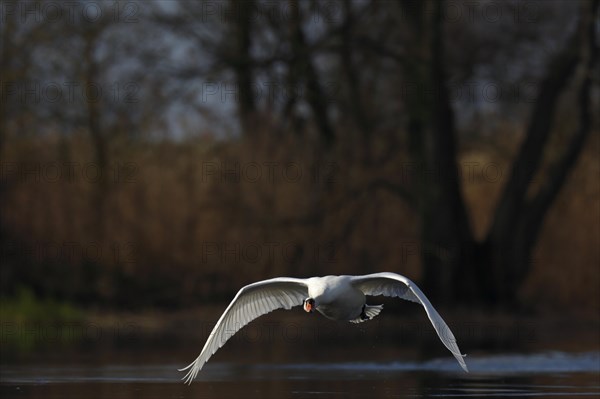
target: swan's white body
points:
(336, 297)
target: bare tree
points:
(494, 269)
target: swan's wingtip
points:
(188, 378)
(187, 367)
(463, 365)
(192, 372)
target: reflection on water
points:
(553, 374)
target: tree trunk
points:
(446, 238)
(519, 219)
(357, 108)
(242, 63)
(455, 266)
(99, 140)
(304, 66)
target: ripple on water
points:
(554, 374)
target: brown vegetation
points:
(193, 221)
(250, 141)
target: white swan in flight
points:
(335, 297)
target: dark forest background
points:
(167, 153)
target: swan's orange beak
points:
(309, 305)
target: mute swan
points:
(335, 297)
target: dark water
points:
(305, 357)
(548, 374)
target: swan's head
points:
(309, 305)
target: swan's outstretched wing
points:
(395, 285)
(251, 301)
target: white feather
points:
(251, 302)
(336, 297)
(395, 285)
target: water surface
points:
(551, 374)
(288, 355)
